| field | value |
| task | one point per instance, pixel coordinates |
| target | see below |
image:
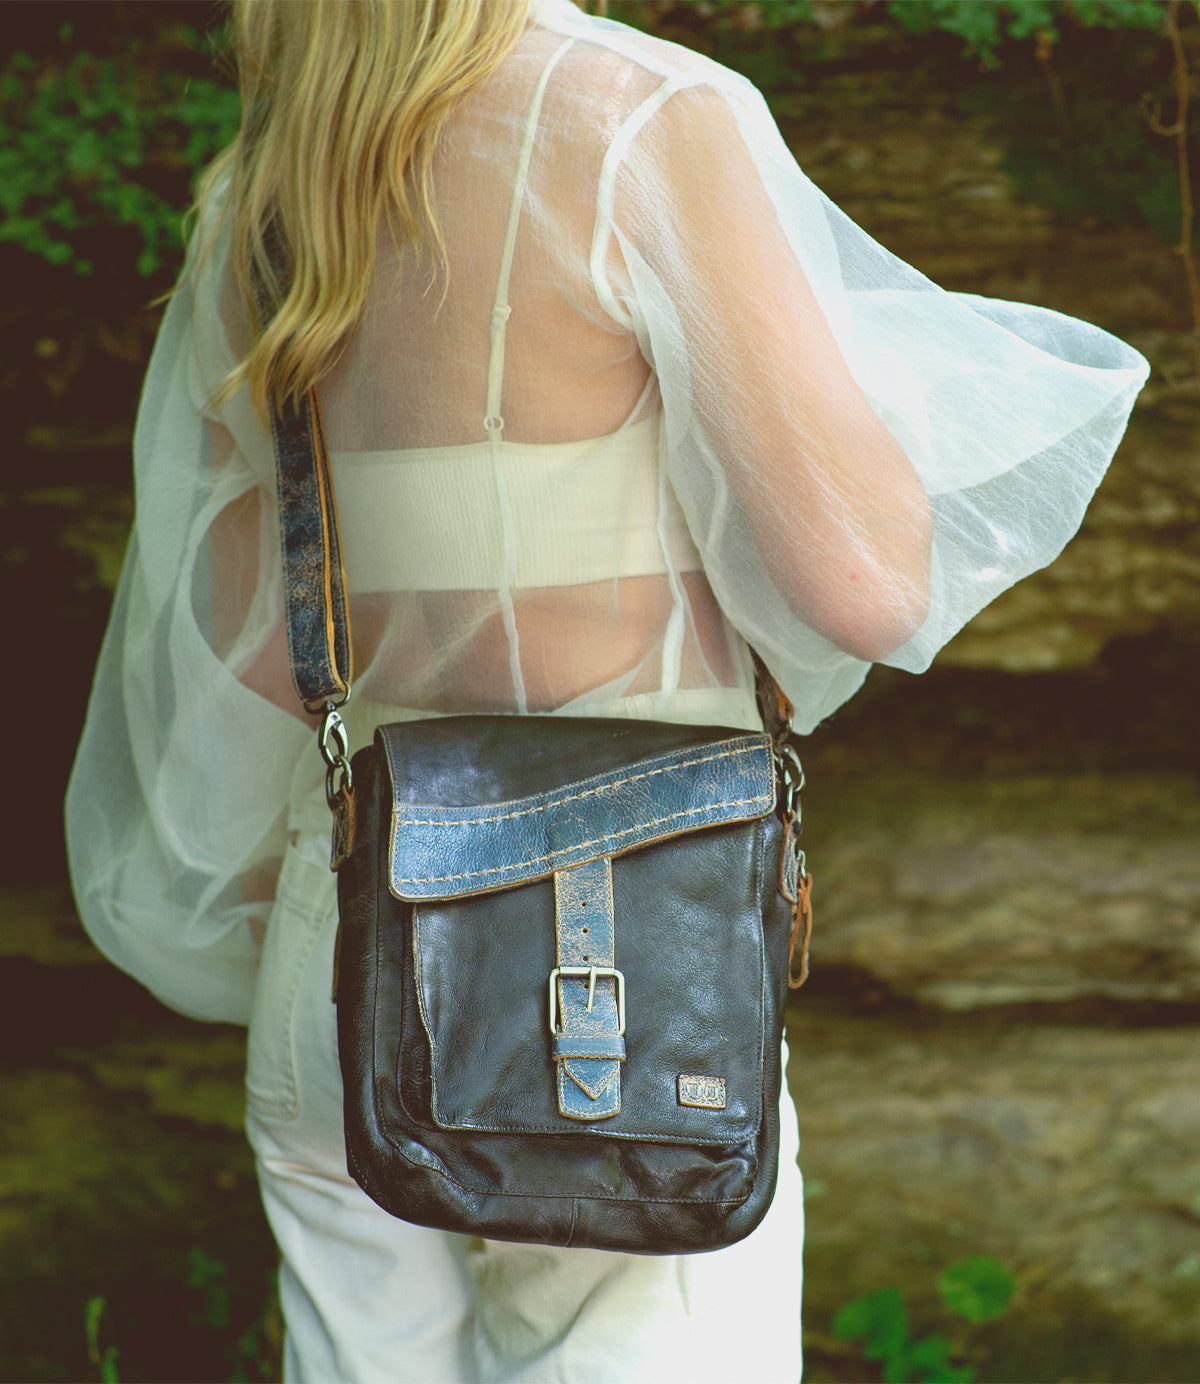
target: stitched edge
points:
(734, 1141)
(756, 748)
(571, 850)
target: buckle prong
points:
(591, 972)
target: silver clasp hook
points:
(791, 776)
(334, 741)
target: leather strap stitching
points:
(579, 846)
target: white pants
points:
(367, 1297)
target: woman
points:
(611, 393)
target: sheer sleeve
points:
(176, 809)
(864, 460)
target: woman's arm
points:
(864, 460)
(836, 509)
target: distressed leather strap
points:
(773, 705)
(587, 1044)
(314, 578)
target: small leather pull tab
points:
(789, 864)
(342, 844)
(802, 918)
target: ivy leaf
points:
(1029, 17)
(1120, 14)
(977, 1289)
(85, 152)
(879, 1319)
(927, 1361)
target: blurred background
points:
(996, 1059)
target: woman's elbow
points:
(884, 621)
(875, 596)
(904, 606)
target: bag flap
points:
(484, 803)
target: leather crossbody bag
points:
(564, 946)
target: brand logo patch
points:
(706, 1092)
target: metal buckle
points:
(591, 972)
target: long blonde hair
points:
(342, 103)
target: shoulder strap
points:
(493, 422)
(314, 578)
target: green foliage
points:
(983, 25)
(104, 1362)
(977, 1290)
(92, 142)
(1119, 14)
(1084, 147)
(255, 1354)
(765, 14)
(1120, 175)
(879, 1320)
(211, 1279)
(746, 15)
(253, 1357)
(91, 145)
(258, 1347)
